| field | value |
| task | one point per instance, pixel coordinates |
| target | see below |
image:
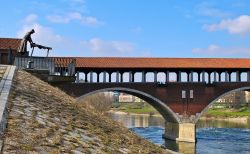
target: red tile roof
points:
(13, 43)
(120, 62)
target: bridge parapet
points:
(55, 65)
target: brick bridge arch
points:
(246, 88)
(180, 114)
(166, 98)
(160, 106)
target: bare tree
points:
(100, 102)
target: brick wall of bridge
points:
(170, 94)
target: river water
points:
(213, 136)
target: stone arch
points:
(213, 101)
(161, 107)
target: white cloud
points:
(67, 47)
(216, 50)
(238, 26)
(46, 36)
(43, 35)
(101, 47)
(58, 19)
(31, 18)
(209, 9)
(74, 16)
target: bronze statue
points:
(25, 40)
(33, 45)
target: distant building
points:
(128, 98)
(234, 96)
(125, 98)
(233, 99)
(8, 49)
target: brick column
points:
(203, 76)
(104, 76)
(226, 76)
(117, 76)
(191, 76)
(86, 76)
(91, 77)
(167, 76)
(155, 76)
(143, 76)
(238, 77)
(215, 78)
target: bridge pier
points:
(183, 132)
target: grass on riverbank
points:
(136, 107)
(222, 112)
(144, 108)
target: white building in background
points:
(125, 98)
(129, 98)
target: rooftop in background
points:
(161, 63)
(13, 43)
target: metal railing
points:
(55, 65)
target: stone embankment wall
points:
(43, 119)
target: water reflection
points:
(136, 120)
(205, 123)
(212, 136)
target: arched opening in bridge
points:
(114, 77)
(172, 77)
(232, 76)
(184, 77)
(234, 104)
(161, 77)
(127, 109)
(149, 77)
(206, 77)
(223, 76)
(146, 112)
(225, 120)
(92, 77)
(195, 77)
(214, 77)
(158, 105)
(126, 76)
(103, 77)
(138, 77)
(243, 76)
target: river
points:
(213, 136)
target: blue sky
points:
(141, 28)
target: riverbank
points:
(131, 113)
(228, 113)
(218, 113)
(229, 119)
(136, 108)
(43, 119)
(244, 119)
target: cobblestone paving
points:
(43, 119)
